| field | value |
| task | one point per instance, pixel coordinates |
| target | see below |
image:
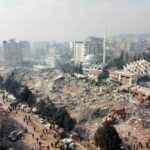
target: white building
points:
(91, 45)
(92, 65)
(71, 47)
(91, 61)
(79, 52)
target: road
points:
(47, 139)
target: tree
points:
(107, 138)
(31, 100)
(103, 75)
(1, 82)
(50, 110)
(127, 57)
(69, 123)
(80, 69)
(119, 62)
(135, 59)
(41, 107)
(1, 79)
(122, 55)
(11, 85)
(60, 115)
(146, 55)
(25, 94)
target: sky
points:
(68, 20)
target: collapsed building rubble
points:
(90, 104)
(132, 72)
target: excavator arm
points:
(120, 112)
(139, 96)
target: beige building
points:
(122, 77)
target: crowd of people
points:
(29, 121)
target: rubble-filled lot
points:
(89, 103)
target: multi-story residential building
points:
(12, 52)
(79, 51)
(91, 45)
(39, 48)
(25, 49)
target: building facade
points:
(12, 52)
(25, 49)
(124, 78)
(92, 66)
(79, 52)
(91, 45)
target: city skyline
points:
(67, 20)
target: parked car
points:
(23, 106)
(47, 126)
(36, 117)
(42, 121)
(34, 109)
(15, 135)
(28, 109)
(14, 103)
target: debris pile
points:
(90, 104)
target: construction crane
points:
(120, 112)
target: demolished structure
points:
(132, 72)
(90, 104)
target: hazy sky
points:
(71, 19)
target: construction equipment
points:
(139, 96)
(120, 112)
(135, 92)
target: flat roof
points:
(122, 73)
(78, 42)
